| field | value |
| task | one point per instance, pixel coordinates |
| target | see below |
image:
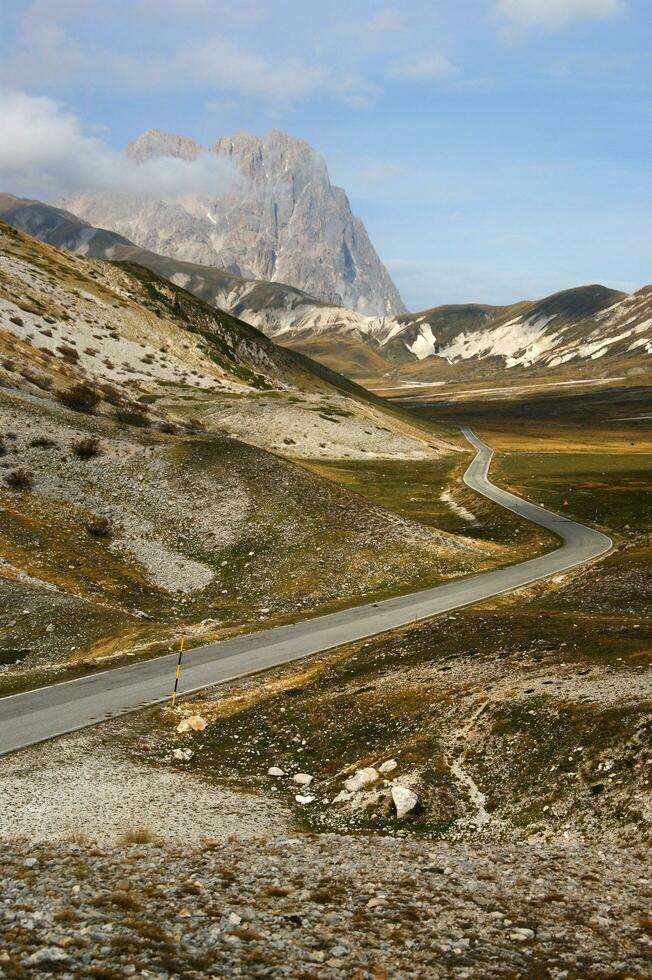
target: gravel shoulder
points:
(80, 785)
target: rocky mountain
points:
(281, 221)
(586, 328)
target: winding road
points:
(38, 715)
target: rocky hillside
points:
(590, 329)
(146, 474)
(282, 221)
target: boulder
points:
(362, 778)
(343, 796)
(195, 723)
(388, 766)
(302, 779)
(404, 800)
(275, 771)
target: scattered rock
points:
(51, 954)
(182, 755)
(304, 799)
(195, 723)
(343, 796)
(404, 800)
(302, 779)
(275, 771)
(362, 778)
(388, 766)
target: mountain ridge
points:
(581, 326)
(283, 221)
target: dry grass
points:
(81, 397)
(137, 835)
(122, 899)
(20, 479)
(249, 935)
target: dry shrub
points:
(42, 442)
(123, 899)
(82, 397)
(68, 353)
(133, 415)
(137, 835)
(20, 479)
(86, 448)
(99, 527)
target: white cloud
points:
(52, 57)
(45, 154)
(221, 63)
(557, 13)
(422, 69)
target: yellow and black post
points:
(178, 674)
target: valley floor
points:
(331, 907)
(523, 725)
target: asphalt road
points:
(39, 715)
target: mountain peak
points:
(156, 143)
(285, 222)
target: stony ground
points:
(80, 786)
(324, 907)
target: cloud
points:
(53, 57)
(557, 13)
(422, 69)
(221, 63)
(45, 154)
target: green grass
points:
(611, 489)
(414, 488)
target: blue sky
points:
(495, 149)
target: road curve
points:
(42, 714)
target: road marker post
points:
(178, 673)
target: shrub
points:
(137, 835)
(99, 527)
(20, 479)
(42, 442)
(111, 395)
(86, 448)
(132, 415)
(68, 353)
(38, 380)
(81, 397)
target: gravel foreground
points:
(324, 906)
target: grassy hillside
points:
(139, 497)
(526, 718)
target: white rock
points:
(388, 766)
(304, 799)
(183, 755)
(362, 778)
(193, 724)
(404, 800)
(377, 902)
(275, 771)
(302, 779)
(234, 919)
(342, 796)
